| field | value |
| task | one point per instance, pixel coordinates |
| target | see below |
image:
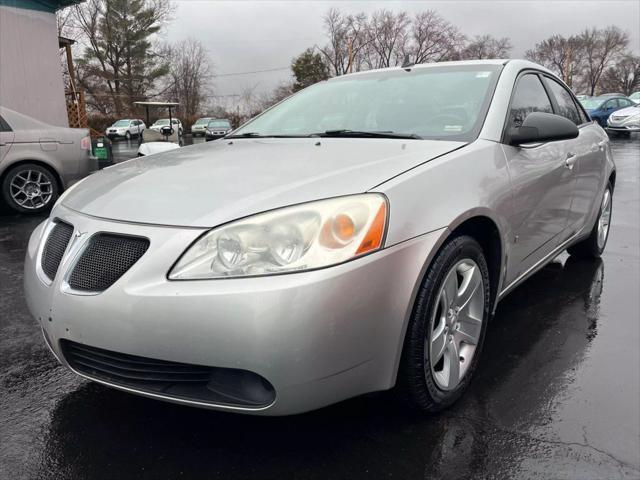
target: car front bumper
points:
(210, 136)
(317, 337)
(623, 128)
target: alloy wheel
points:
(456, 324)
(605, 219)
(31, 189)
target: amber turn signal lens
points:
(373, 238)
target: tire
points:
(595, 243)
(30, 188)
(420, 380)
(127, 135)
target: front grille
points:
(55, 247)
(171, 379)
(105, 259)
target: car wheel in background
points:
(30, 188)
(593, 245)
(127, 135)
(446, 332)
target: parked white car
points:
(164, 122)
(38, 161)
(625, 121)
(126, 128)
(635, 96)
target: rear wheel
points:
(30, 188)
(446, 332)
(594, 244)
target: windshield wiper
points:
(245, 135)
(365, 134)
(259, 135)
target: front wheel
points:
(127, 135)
(30, 188)
(446, 331)
(594, 244)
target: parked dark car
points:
(217, 128)
(599, 108)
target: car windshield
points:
(218, 124)
(202, 121)
(438, 102)
(635, 96)
(592, 103)
(162, 122)
(121, 123)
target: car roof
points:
(517, 63)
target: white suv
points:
(126, 128)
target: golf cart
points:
(153, 141)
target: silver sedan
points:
(356, 237)
(38, 161)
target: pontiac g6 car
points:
(353, 238)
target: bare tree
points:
(432, 38)
(386, 38)
(623, 77)
(347, 37)
(190, 74)
(486, 46)
(601, 50)
(562, 55)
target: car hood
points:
(627, 112)
(208, 184)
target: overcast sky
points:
(247, 35)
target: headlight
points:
(302, 237)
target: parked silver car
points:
(126, 128)
(354, 237)
(200, 126)
(38, 161)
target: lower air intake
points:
(219, 386)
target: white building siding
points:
(30, 70)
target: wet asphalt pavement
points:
(557, 394)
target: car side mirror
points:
(541, 127)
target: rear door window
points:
(566, 106)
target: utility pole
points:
(567, 67)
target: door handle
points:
(601, 144)
(570, 160)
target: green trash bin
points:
(102, 151)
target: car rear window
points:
(4, 126)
